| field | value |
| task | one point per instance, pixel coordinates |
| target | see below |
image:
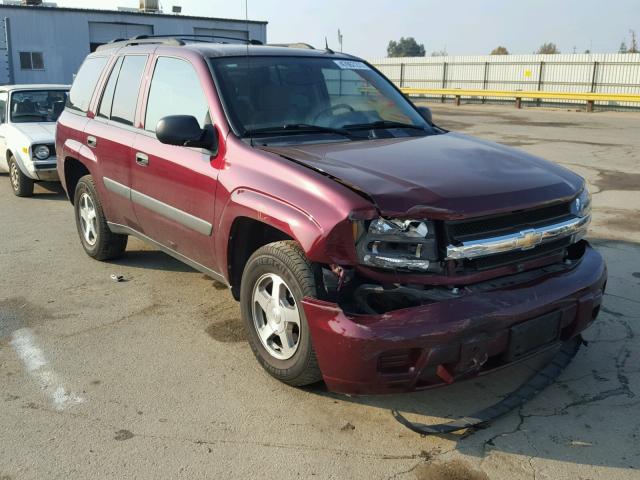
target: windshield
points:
(289, 95)
(37, 105)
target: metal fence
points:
(595, 73)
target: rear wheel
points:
(97, 240)
(275, 280)
(21, 185)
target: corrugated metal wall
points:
(601, 73)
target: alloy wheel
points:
(276, 316)
(88, 219)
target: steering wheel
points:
(332, 108)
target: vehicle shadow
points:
(152, 260)
(588, 416)
(49, 191)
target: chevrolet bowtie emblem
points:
(529, 239)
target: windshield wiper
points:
(296, 128)
(382, 124)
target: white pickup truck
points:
(28, 115)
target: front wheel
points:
(97, 240)
(21, 184)
(275, 280)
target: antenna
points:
(326, 46)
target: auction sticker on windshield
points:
(351, 65)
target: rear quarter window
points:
(85, 84)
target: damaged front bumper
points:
(444, 341)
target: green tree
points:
(439, 53)
(500, 51)
(406, 47)
(623, 48)
(548, 49)
(634, 43)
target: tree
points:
(623, 48)
(406, 47)
(634, 43)
(548, 49)
(500, 51)
(439, 53)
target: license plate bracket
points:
(533, 334)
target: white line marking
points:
(23, 342)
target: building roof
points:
(125, 12)
(34, 86)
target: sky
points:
(461, 27)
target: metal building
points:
(41, 43)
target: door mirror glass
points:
(184, 131)
(426, 114)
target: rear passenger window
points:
(175, 90)
(85, 83)
(104, 110)
(125, 98)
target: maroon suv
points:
(367, 246)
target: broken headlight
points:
(398, 244)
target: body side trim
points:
(190, 221)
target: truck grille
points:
(502, 259)
(496, 225)
(503, 224)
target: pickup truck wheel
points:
(21, 185)
(275, 280)
(97, 240)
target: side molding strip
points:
(117, 188)
(123, 229)
(161, 208)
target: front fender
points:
(271, 211)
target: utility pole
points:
(340, 39)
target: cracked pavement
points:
(151, 378)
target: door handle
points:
(142, 159)
(92, 142)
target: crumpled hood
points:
(443, 176)
(37, 132)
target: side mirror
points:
(184, 131)
(426, 114)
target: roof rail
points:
(175, 40)
(292, 45)
(197, 38)
(139, 41)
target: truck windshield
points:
(37, 105)
(292, 95)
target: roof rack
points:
(292, 45)
(174, 40)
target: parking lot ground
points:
(152, 378)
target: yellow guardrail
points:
(590, 98)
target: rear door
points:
(111, 134)
(173, 188)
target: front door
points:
(173, 188)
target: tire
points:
(98, 240)
(21, 185)
(287, 261)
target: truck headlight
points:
(581, 206)
(41, 152)
(398, 244)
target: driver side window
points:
(175, 90)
